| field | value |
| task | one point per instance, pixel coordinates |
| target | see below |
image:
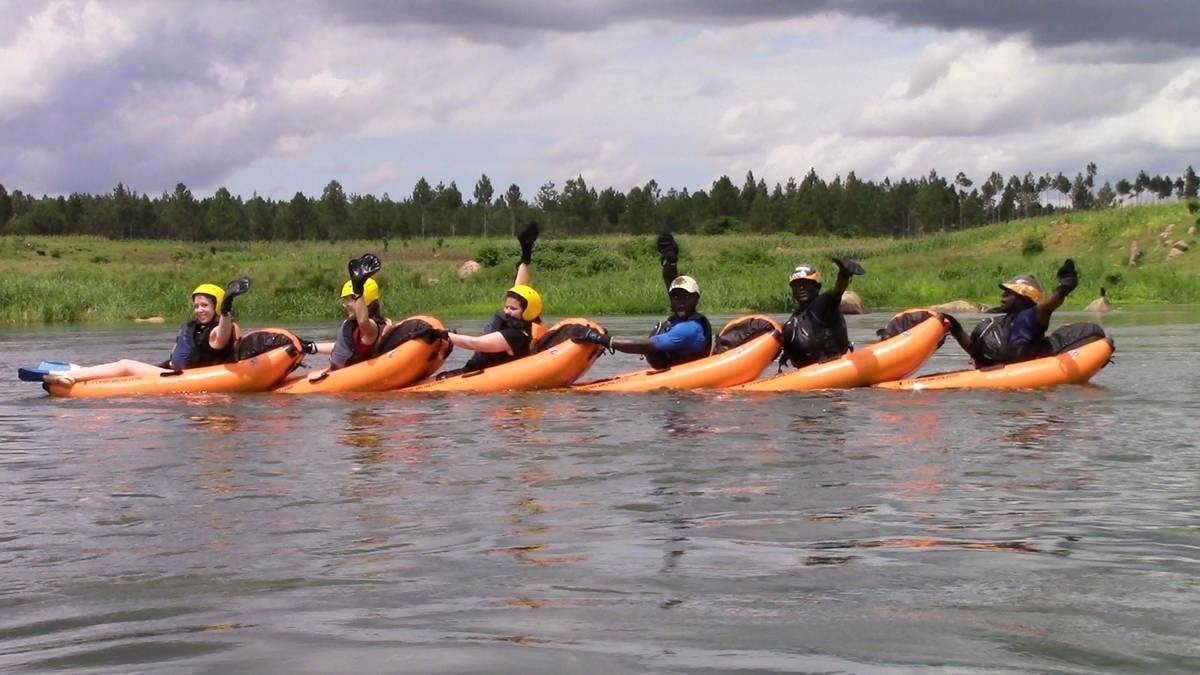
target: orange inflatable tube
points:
(556, 365)
(256, 373)
(728, 368)
(1075, 366)
(890, 359)
(410, 361)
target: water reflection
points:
(673, 532)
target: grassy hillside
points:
(70, 279)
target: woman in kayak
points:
(1020, 333)
(208, 339)
(512, 331)
(685, 335)
(362, 333)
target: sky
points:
(272, 98)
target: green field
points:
(74, 279)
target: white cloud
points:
(62, 39)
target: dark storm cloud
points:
(1052, 23)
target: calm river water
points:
(854, 531)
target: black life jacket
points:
(501, 321)
(807, 339)
(345, 350)
(192, 349)
(989, 341)
(665, 359)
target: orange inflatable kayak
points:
(1074, 366)
(411, 359)
(730, 366)
(890, 359)
(257, 372)
(556, 362)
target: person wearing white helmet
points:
(209, 339)
(514, 330)
(685, 335)
(816, 330)
(1020, 333)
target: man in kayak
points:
(361, 334)
(514, 330)
(1020, 333)
(816, 331)
(684, 336)
(208, 339)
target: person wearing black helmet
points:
(816, 331)
(1020, 333)
(685, 335)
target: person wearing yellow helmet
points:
(210, 338)
(1020, 333)
(685, 335)
(512, 331)
(361, 334)
(816, 330)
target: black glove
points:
(593, 336)
(849, 266)
(308, 346)
(1068, 277)
(432, 334)
(952, 323)
(667, 248)
(527, 237)
(234, 289)
(361, 269)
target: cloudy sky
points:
(276, 97)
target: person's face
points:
(1009, 301)
(348, 305)
(512, 307)
(203, 308)
(804, 290)
(683, 303)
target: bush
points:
(488, 255)
(1032, 246)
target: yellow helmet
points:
(370, 290)
(1024, 285)
(217, 293)
(805, 273)
(530, 300)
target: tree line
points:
(844, 206)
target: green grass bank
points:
(76, 279)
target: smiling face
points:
(683, 303)
(204, 307)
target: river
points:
(857, 531)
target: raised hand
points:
(232, 290)
(527, 238)
(361, 269)
(593, 336)
(668, 250)
(849, 266)
(1068, 276)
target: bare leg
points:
(122, 368)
